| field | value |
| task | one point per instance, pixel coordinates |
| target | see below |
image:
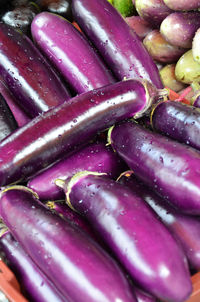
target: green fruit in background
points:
(125, 7)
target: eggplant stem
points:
(126, 173)
(19, 187)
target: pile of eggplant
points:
(99, 169)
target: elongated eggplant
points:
(139, 25)
(178, 121)
(26, 73)
(54, 134)
(133, 232)
(95, 157)
(34, 283)
(117, 43)
(168, 167)
(182, 4)
(79, 268)
(185, 228)
(167, 74)
(153, 11)
(179, 28)
(160, 49)
(7, 121)
(70, 52)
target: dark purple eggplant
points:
(179, 28)
(34, 284)
(116, 41)
(55, 133)
(7, 121)
(167, 74)
(178, 121)
(139, 25)
(60, 7)
(160, 49)
(132, 231)
(70, 52)
(26, 73)
(170, 168)
(185, 228)
(182, 4)
(79, 268)
(153, 11)
(95, 157)
(143, 296)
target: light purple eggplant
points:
(56, 133)
(182, 4)
(70, 52)
(132, 231)
(139, 25)
(179, 28)
(185, 228)
(32, 81)
(94, 157)
(60, 7)
(79, 268)
(153, 11)
(178, 121)
(168, 167)
(35, 285)
(119, 45)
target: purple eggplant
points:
(185, 228)
(132, 231)
(167, 74)
(160, 49)
(7, 121)
(60, 7)
(79, 268)
(168, 167)
(139, 25)
(143, 296)
(26, 73)
(116, 41)
(178, 121)
(153, 11)
(72, 54)
(95, 157)
(34, 283)
(182, 4)
(179, 28)
(55, 133)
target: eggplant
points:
(95, 157)
(178, 121)
(70, 52)
(160, 49)
(182, 4)
(167, 74)
(7, 121)
(132, 231)
(35, 285)
(195, 46)
(139, 25)
(153, 11)
(179, 28)
(26, 73)
(78, 267)
(60, 7)
(143, 296)
(185, 228)
(119, 45)
(54, 134)
(167, 166)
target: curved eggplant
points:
(54, 134)
(182, 4)
(72, 54)
(26, 73)
(116, 41)
(132, 231)
(170, 168)
(79, 268)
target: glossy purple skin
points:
(55, 133)
(153, 11)
(70, 52)
(197, 102)
(142, 296)
(182, 4)
(95, 157)
(179, 28)
(170, 168)
(185, 228)
(79, 268)
(137, 238)
(116, 41)
(7, 121)
(34, 283)
(178, 121)
(26, 73)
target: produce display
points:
(99, 149)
